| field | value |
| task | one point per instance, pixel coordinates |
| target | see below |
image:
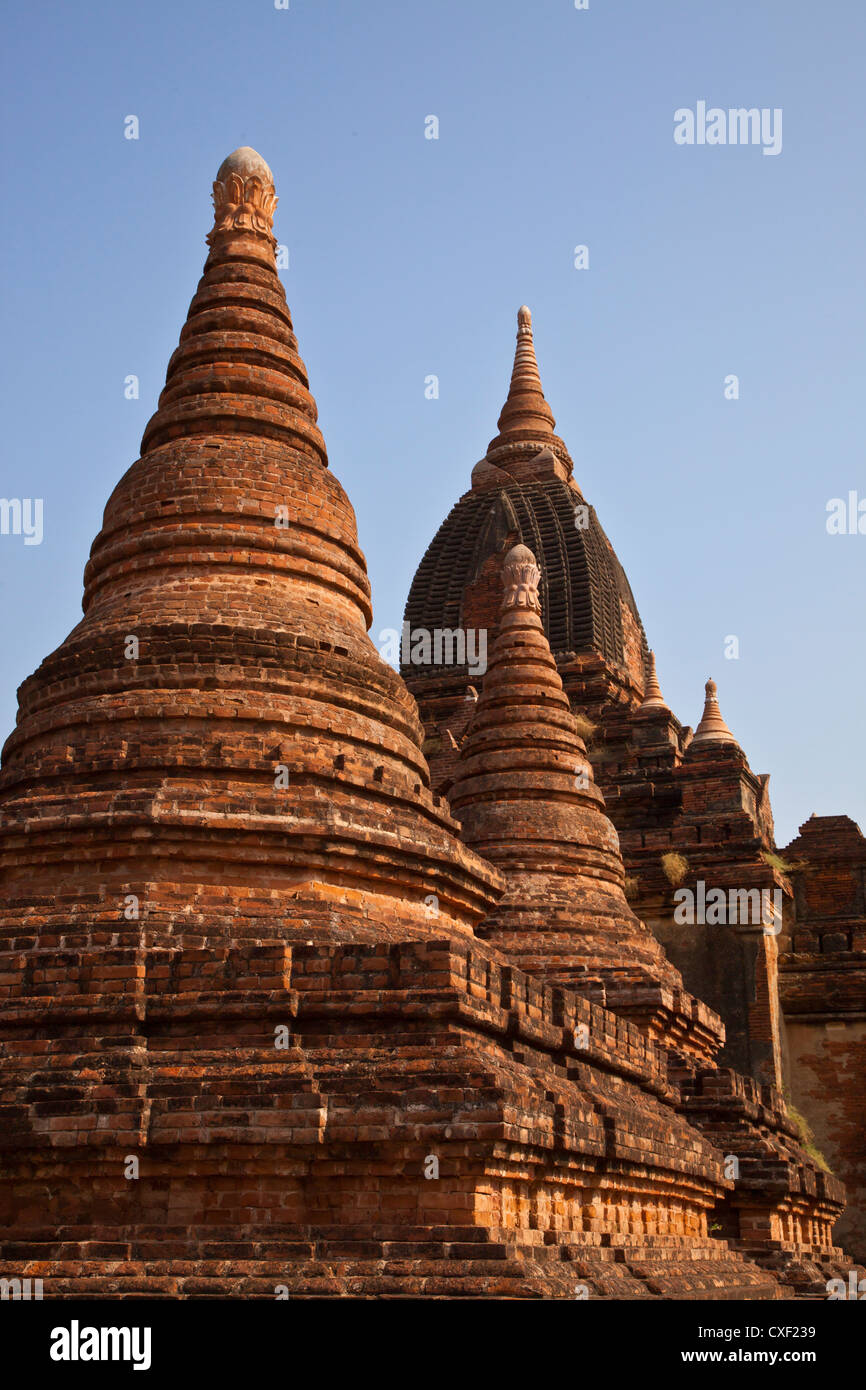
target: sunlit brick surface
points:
(249, 1038)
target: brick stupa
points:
(250, 1041)
(528, 802)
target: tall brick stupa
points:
(261, 1030)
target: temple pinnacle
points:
(653, 698)
(525, 416)
(712, 728)
(237, 368)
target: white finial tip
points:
(246, 162)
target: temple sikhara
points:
(316, 978)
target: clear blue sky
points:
(411, 256)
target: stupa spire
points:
(526, 446)
(237, 368)
(653, 698)
(712, 728)
(525, 414)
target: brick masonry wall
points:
(826, 1071)
(823, 988)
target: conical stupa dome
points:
(527, 799)
(218, 737)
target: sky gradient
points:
(409, 257)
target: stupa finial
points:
(243, 195)
(521, 577)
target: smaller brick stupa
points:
(653, 697)
(712, 728)
(528, 802)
